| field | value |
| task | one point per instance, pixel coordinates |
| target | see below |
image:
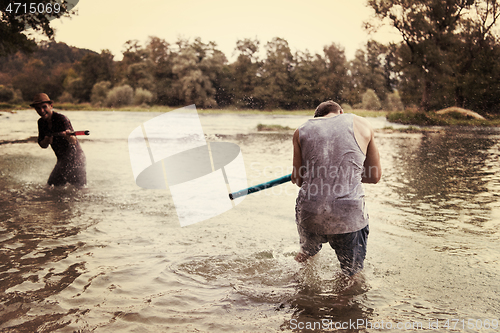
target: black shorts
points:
(350, 247)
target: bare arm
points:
(372, 167)
(297, 160)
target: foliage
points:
(346, 107)
(272, 128)
(371, 100)
(432, 119)
(447, 48)
(120, 96)
(66, 98)
(142, 97)
(45, 70)
(393, 102)
(13, 25)
(100, 92)
(447, 58)
(6, 94)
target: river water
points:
(112, 257)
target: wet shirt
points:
(331, 198)
(60, 123)
(71, 163)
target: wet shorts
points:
(350, 248)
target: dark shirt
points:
(59, 123)
(70, 166)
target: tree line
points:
(195, 72)
(448, 57)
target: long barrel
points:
(74, 133)
(261, 187)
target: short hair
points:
(327, 107)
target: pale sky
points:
(306, 25)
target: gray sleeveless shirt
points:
(331, 198)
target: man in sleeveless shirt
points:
(54, 129)
(333, 154)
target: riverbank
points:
(454, 117)
(157, 108)
(409, 117)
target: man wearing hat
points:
(54, 129)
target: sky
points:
(306, 25)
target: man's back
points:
(343, 146)
(332, 160)
(331, 198)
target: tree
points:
(195, 70)
(276, 88)
(56, 61)
(15, 19)
(335, 81)
(161, 55)
(371, 69)
(442, 42)
(244, 75)
(92, 68)
(307, 75)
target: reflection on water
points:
(113, 258)
(446, 181)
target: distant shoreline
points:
(411, 118)
(155, 108)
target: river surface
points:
(112, 257)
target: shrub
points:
(66, 97)
(6, 94)
(120, 96)
(370, 100)
(346, 107)
(100, 92)
(394, 102)
(142, 96)
(18, 97)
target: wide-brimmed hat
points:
(40, 98)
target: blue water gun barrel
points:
(260, 187)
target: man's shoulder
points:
(361, 121)
(59, 117)
(363, 126)
(57, 114)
